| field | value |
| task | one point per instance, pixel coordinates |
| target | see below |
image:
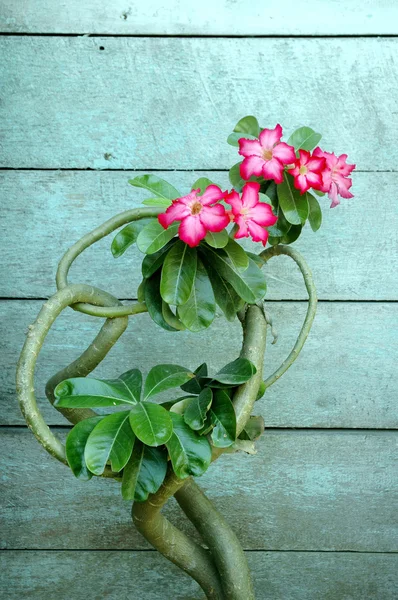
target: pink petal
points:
(263, 215)
(242, 228)
(316, 164)
(235, 201)
(191, 230)
(318, 152)
(326, 180)
(344, 184)
(258, 233)
(211, 194)
(252, 165)
(270, 137)
(314, 180)
(273, 169)
(342, 166)
(284, 153)
(304, 157)
(214, 218)
(250, 194)
(295, 171)
(175, 212)
(333, 195)
(300, 183)
(250, 147)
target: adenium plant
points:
(193, 266)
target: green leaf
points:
(132, 470)
(202, 183)
(235, 177)
(87, 392)
(151, 423)
(165, 377)
(190, 454)
(315, 212)
(319, 193)
(111, 440)
(170, 318)
(153, 262)
(127, 236)
(225, 295)
(271, 192)
(237, 372)
(281, 227)
(250, 284)
(199, 310)
(304, 138)
(217, 239)
(178, 274)
(141, 291)
(292, 235)
(222, 415)
(194, 385)
(152, 473)
(160, 202)
(236, 255)
(75, 445)
(248, 125)
(155, 185)
(253, 429)
(180, 406)
(261, 390)
(234, 137)
(293, 204)
(153, 237)
(256, 258)
(196, 411)
(154, 302)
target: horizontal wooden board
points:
(81, 102)
(345, 376)
(148, 576)
(354, 256)
(304, 490)
(219, 17)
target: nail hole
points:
(102, 48)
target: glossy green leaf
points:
(75, 445)
(315, 212)
(171, 318)
(127, 236)
(190, 454)
(319, 193)
(304, 138)
(153, 262)
(223, 417)
(141, 291)
(159, 202)
(237, 372)
(250, 284)
(217, 239)
(168, 404)
(154, 302)
(111, 440)
(235, 177)
(153, 237)
(234, 137)
(248, 125)
(194, 385)
(270, 189)
(199, 310)
(256, 258)
(253, 429)
(151, 423)
(196, 411)
(292, 235)
(132, 470)
(261, 391)
(180, 406)
(178, 274)
(236, 255)
(87, 392)
(281, 227)
(157, 186)
(202, 184)
(293, 204)
(165, 377)
(152, 473)
(225, 295)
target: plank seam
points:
(268, 300)
(267, 429)
(201, 36)
(146, 550)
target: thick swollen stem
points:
(173, 543)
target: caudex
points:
(192, 264)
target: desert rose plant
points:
(193, 263)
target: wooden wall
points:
(95, 92)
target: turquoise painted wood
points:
(354, 256)
(209, 17)
(345, 376)
(169, 103)
(303, 490)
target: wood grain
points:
(217, 17)
(304, 490)
(148, 576)
(171, 102)
(354, 256)
(345, 376)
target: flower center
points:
(196, 207)
(303, 170)
(267, 154)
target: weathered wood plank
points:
(148, 576)
(304, 490)
(345, 376)
(175, 100)
(218, 17)
(354, 256)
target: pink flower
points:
(251, 215)
(266, 156)
(307, 172)
(335, 180)
(197, 215)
